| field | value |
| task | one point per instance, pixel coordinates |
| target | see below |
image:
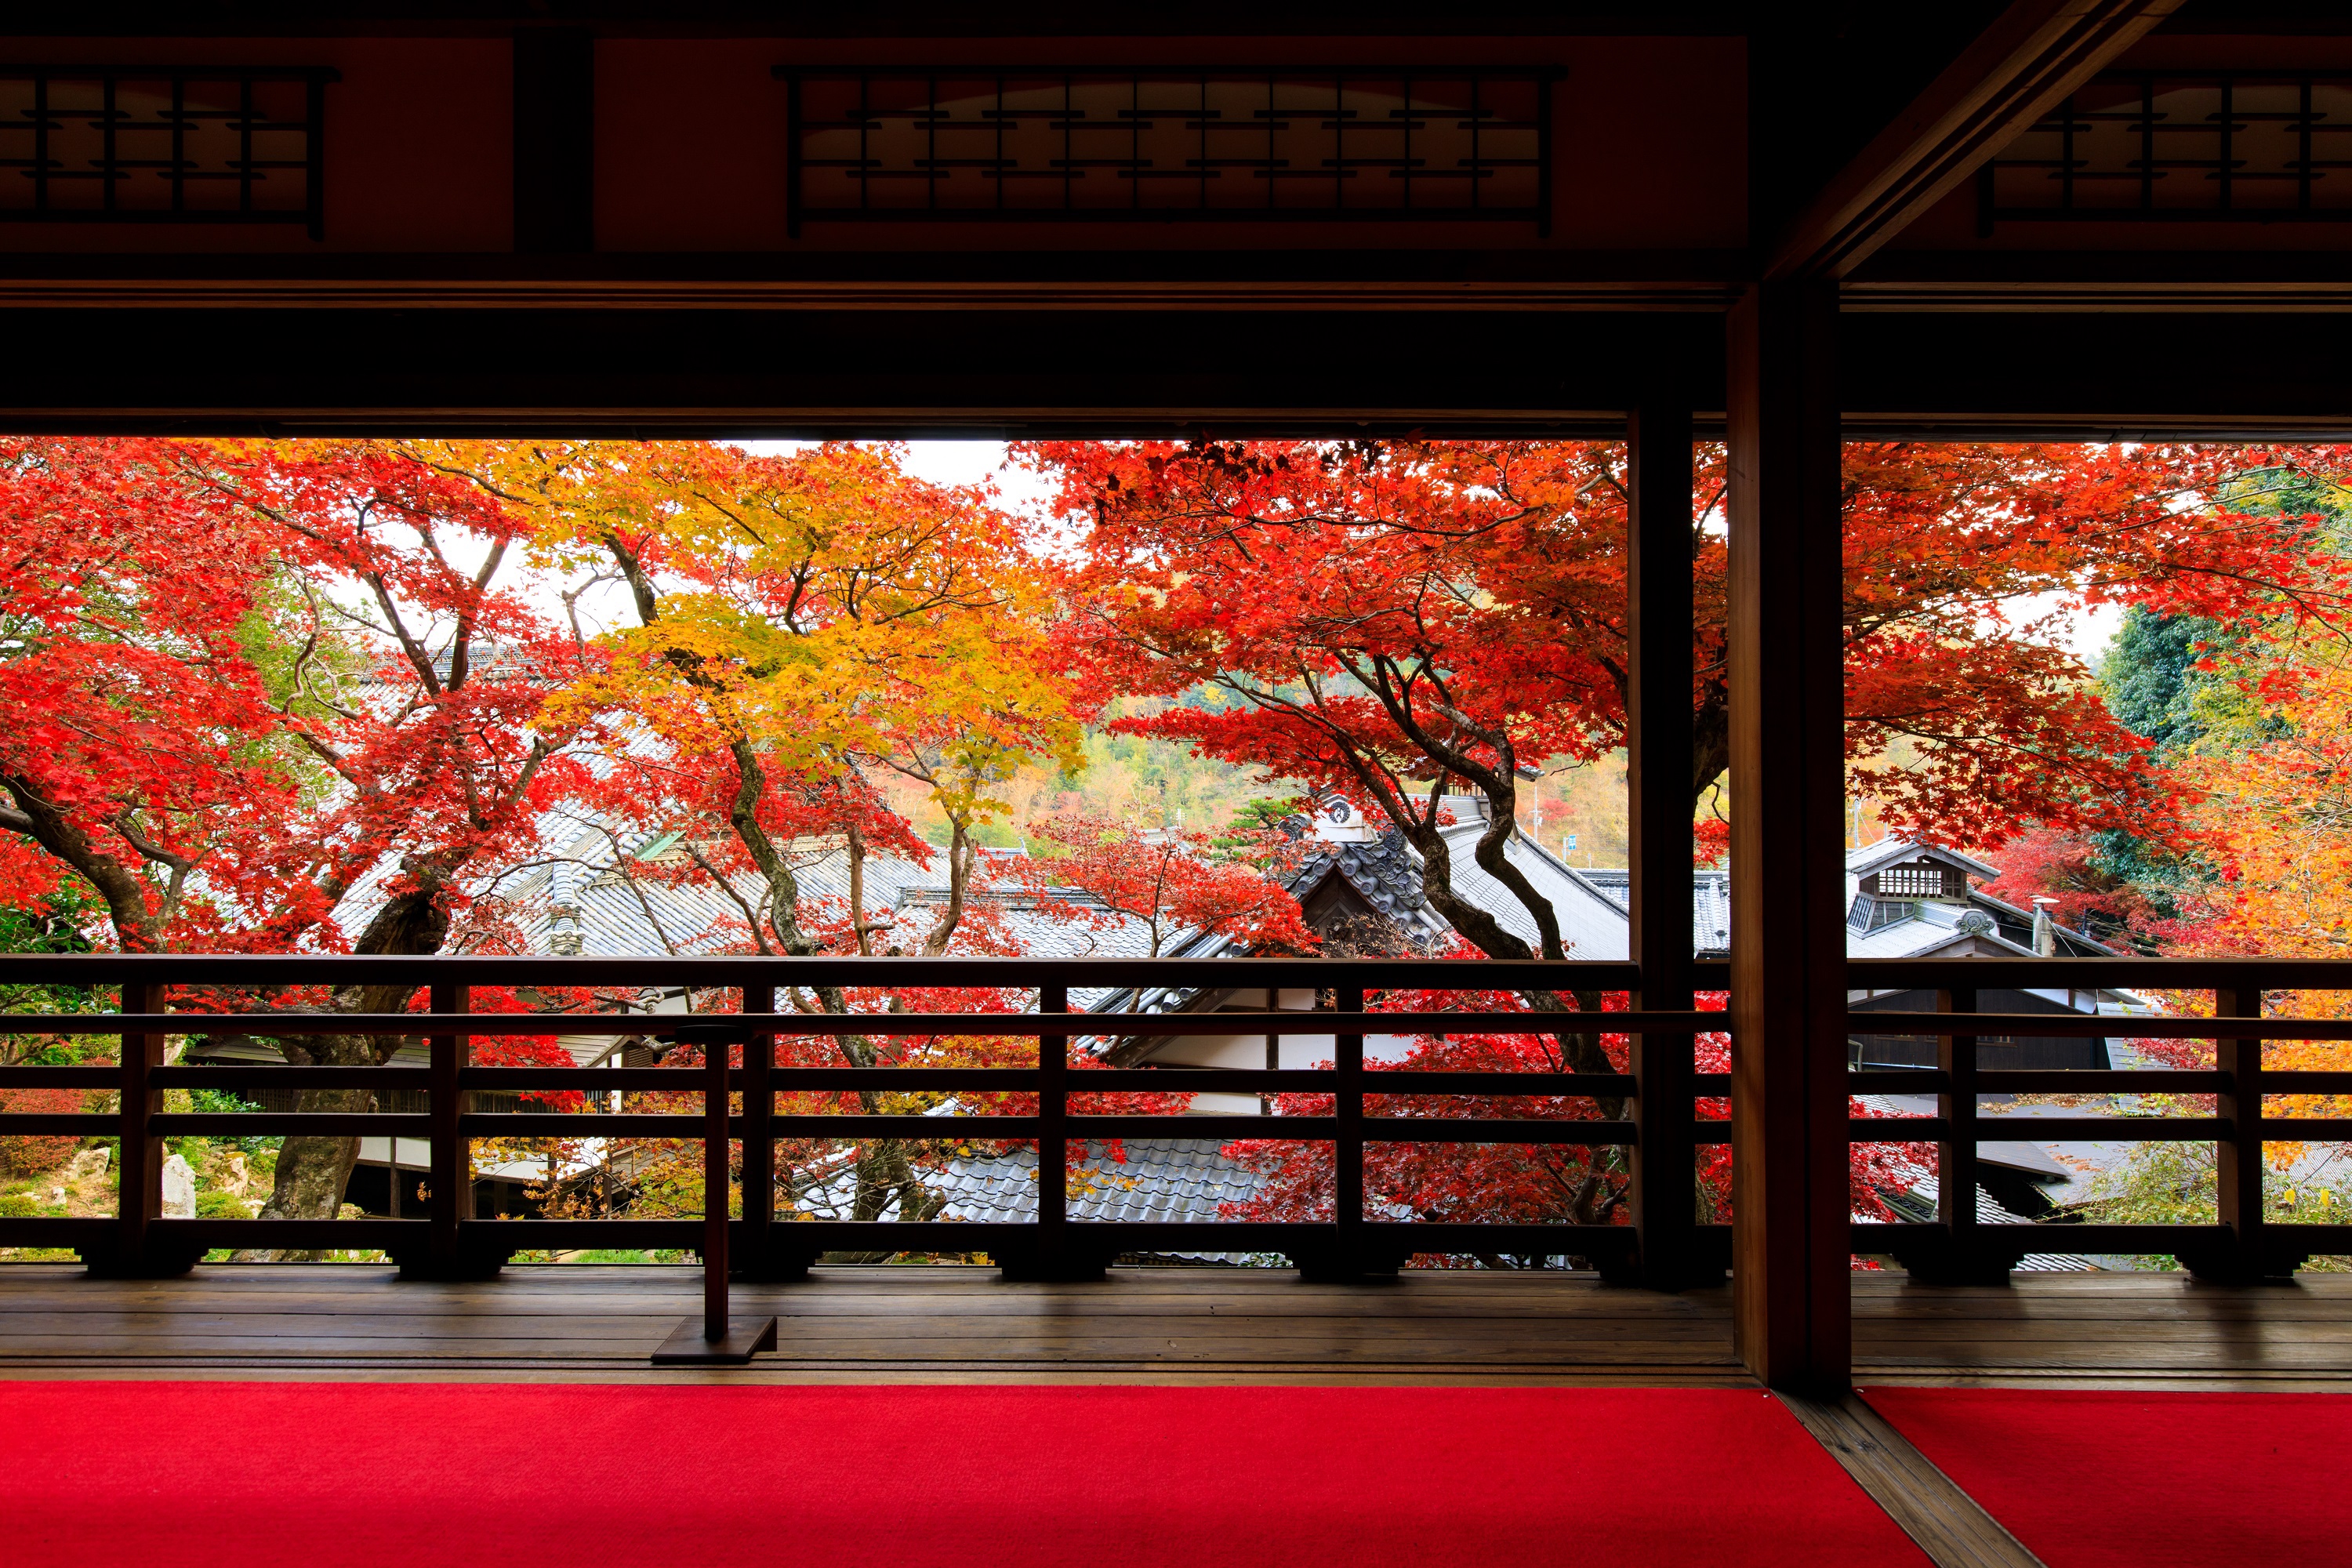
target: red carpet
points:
(434, 1476)
(2147, 1481)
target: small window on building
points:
(1912, 882)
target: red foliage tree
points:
(141, 756)
(1380, 618)
(285, 692)
(1379, 614)
(1174, 882)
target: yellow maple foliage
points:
(2272, 811)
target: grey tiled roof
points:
(1926, 1190)
(1172, 1180)
(1710, 902)
(1383, 871)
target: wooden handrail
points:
(2239, 1243)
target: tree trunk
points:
(314, 1171)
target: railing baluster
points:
(714, 1191)
(1053, 1137)
(139, 1165)
(757, 1254)
(1348, 1149)
(1956, 1155)
(449, 1155)
(2239, 1179)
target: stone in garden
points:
(90, 1163)
(235, 1178)
(179, 1189)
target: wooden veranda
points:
(596, 1322)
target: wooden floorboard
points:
(1951, 1527)
(595, 1323)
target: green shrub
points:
(220, 1206)
(18, 1206)
(228, 1102)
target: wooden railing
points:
(739, 1104)
(2240, 1245)
(1659, 1129)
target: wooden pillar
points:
(1963, 1259)
(1660, 788)
(755, 1258)
(1053, 1134)
(449, 1179)
(1791, 1247)
(714, 1188)
(2239, 1157)
(139, 1163)
(1348, 1115)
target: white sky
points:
(955, 463)
(972, 462)
(968, 462)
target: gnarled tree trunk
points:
(314, 1170)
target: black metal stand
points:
(740, 1340)
(715, 1339)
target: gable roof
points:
(1868, 857)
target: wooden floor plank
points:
(1948, 1525)
(881, 1323)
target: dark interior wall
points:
(675, 145)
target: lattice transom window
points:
(2138, 145)
(1202, 144)
(91, 144)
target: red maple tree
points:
(1384, 618)
(287, 701)
(1172, 882)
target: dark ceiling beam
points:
(2032, 57)
(890, 18)
(2006, 377)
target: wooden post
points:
(755, 1258)
(139, 1165)
(1347, 1145)
(2239, 1178)
(1791, 1248)
(1659, 791)
(1053, 1136)
(1956, 1155)
(449, 1155)
(714, 1192)
(714, 1338)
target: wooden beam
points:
(1659, 788)
(2032, 55)
(1790, 1255)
